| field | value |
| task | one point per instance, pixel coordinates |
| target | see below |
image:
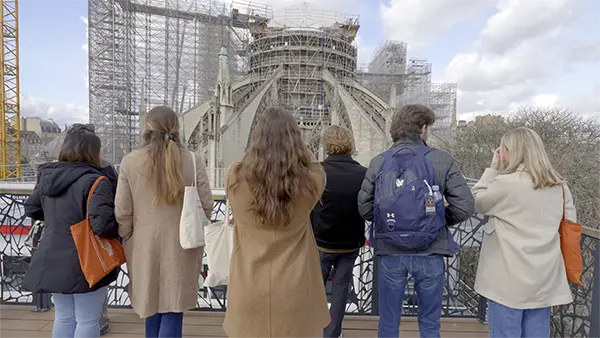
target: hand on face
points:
(496, 160)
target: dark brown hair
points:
(81, 146)
(163, 144)
(277, 168)
(338, 140)
(408, 121)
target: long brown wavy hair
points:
(163, 144)
(276, 167)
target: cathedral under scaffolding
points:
(220, 65)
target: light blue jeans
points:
(78, 315)
(429, 277)
(507, 322)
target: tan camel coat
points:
(275, 286)
(163, 276)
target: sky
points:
(502, 53)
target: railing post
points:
(594, 322)
(482, 309)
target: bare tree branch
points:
(572, 142)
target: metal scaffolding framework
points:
(305, 53)
(411, 78)
(10, 134)
(144, 53)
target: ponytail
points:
(161, 140)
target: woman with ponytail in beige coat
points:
(164, 277)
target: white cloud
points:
(417, 22)
(62, 113)
(546, 100)
(518, 21)
(523, 46)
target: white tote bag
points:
(219, 246)
(193, 219)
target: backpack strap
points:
(423, 151)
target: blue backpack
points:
(406, 214)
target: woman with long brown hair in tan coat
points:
(163, 276)
(275, 285)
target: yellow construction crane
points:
(10, 138)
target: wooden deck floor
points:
(20, 321)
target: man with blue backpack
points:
(403, 195)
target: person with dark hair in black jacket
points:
(112, 174)
(60, 200)
(339, 229)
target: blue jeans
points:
(428, 275)
(78, 315)
(507, 322)
(165, 325)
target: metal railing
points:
(579, 319)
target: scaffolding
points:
(443, 102)
(305, 52)
(144, 53)
(162, 52)
(390, 67)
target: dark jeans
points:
(165, 325)
(428, 275)
(342, 264)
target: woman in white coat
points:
(521, 269)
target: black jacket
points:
(59, 199)
(336, 221)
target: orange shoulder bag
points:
(570, 245)
(97, 256)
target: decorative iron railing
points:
(579, 319)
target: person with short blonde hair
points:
(339, 228)
(338, 140)
(521, 270)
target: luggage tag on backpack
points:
(429, 205)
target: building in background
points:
(220, 65)
(31, 146)
(46, 129)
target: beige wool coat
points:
(520, 264)
(275, 284)
(163, 276)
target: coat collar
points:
(409, 142)
(340, 158)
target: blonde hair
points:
(338, 140)
(163, 144)
(526, 150)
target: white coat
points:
(520, 264)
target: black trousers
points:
(342, 264)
